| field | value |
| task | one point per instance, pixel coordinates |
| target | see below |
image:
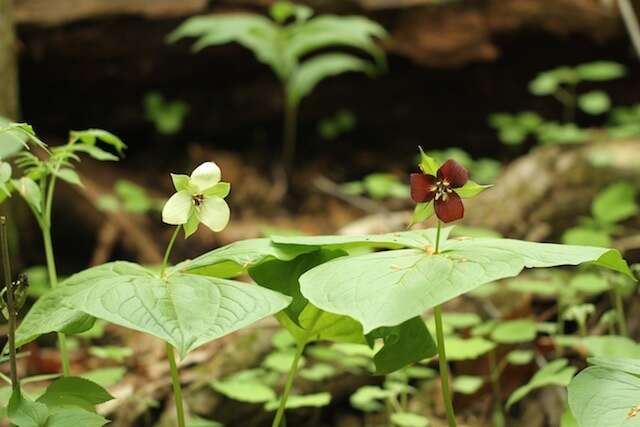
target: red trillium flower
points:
(441, 189)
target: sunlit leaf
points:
(554, 373)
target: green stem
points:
(53, 279)
(620, 316)
(11, 307)
(442, 353)
(167, 252)
(289, 133)
(177, 388)
(444, 367)
(300, 346)
(494, 374)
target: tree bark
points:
(8, 63)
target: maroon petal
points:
(450, 208)
(454, 173)
(422, 187)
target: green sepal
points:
(471, 189)
(422, 212)
(428, 164)
(404, 344)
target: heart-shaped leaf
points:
(231, 260)
(185, 310)
(387, 288)
(600, 396)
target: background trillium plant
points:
(199, 199)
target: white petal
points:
(205, 176)
(176, 210)
(214, 213)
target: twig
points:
(329, 187)
(631, 22)
(11, 307)
(107, 238)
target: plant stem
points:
(300, 346)
(177, 388)
(620, 316)
(45, 225)
(289, 133)
(287, 388)
(631, 22)
(437, 250)
(494, 374)
(444, 368)
(167, 252)
(11, 307)
(442, 353)
(53, 279)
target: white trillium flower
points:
(199, 199)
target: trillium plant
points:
(363, 289)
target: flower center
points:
(198, 199)
(442, 189)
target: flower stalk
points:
(442, 353)
(11, 306)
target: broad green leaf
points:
(235, 258)
(422, 212)
(459, 320)
(51, 314)
(70, 176)
(316, 400)
(589, 283)
(404, 344)
(554, 373)
(594, 102)
(586, 237)
(567, 419)
(281, 361)
(408, 419)
(544, 84)
(95, 152)
(367, 398)
(467, 384)
(11, 141)
(331, 30)
(105, 377)
(601, 71)
(74, 392)
(625, 364)
(604, 346)
(314, 70)
(326, 327)
(185, 310)
(30, 191)
(514, 331)
(604, 397)
(615, 203)
(91, 136)
(25, 413)
(467, 348)
(318, 372)
(245, 391)
(418, 239)
(254, 32)
(70, 416)
(520, 357)
(471, 189)
(476, 232)
(387, 288)
(283, 276)
(5, 172)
